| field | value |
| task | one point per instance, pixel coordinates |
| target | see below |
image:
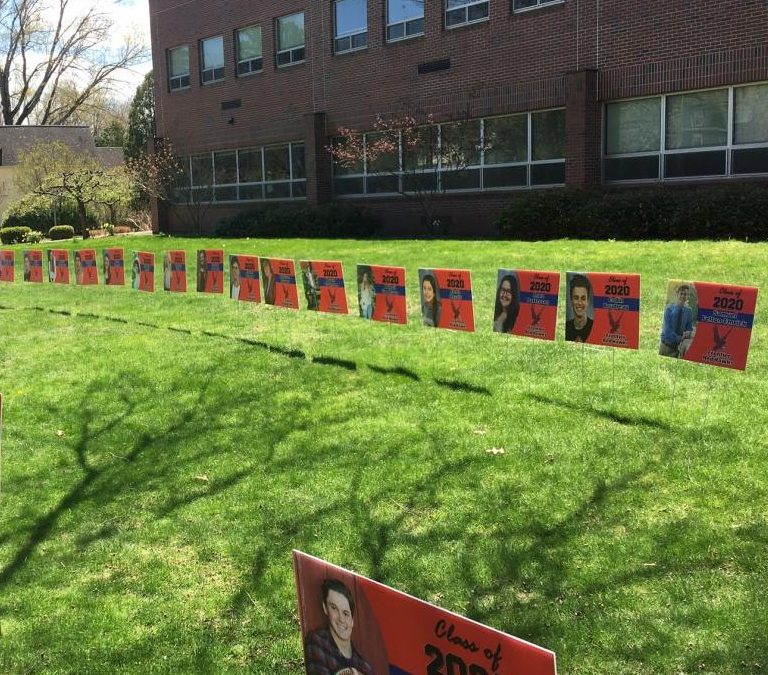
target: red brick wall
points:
(510, 63)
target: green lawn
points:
(163, 454)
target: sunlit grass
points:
(163, 454)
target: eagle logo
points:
(535, 316)
(718, 341)
(615, 321)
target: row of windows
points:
(498, 152)
(718, 132)
(405, 19)
(248, 174)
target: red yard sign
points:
(526, 303)
(446, 299)
(381, 293)
(114, 266)
(351, 622)
(244, 278)
(278, 282)
(86, 271)
(32, 266)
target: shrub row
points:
(738, 211)
(58, 232)
(328, 220)
(14, 235)
(36, 213)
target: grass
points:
(163, 454)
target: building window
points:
(687, 135)
(248, 46)
(350, 23)
(462, 12)
(290, 39)
(243, 175)
(515, 151)
(178, 68)
(750, 130)
(212, 60)
(405, 19)
(519, 5)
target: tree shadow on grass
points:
(104, 481)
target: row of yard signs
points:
(703, 322)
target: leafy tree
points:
(141, 118)
(37, 56)
(113, 136)
(55, 170)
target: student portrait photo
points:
(507, 305)
(678, 325)
(430, 298)
(51, 266)
(330, 649)
(78, 269)
(107, 268)
(268, 281)
(202, 272)
(311, 289)
(234, 277)
(578, 307)
(366, 293)
(136, 271)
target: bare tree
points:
(38, 57)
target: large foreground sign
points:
(708, 323)
(352, 625)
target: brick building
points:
(547, 92)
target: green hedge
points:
(58, 232)
(737, 211)
(14, 235)
(329, 220)
(37, 213)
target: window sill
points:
(291, 65)
(467, 24)
(405, 38)
(350, 51)
(547, 5)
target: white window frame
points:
(296, 54)
(297, 189)
(255, 64)
(345, 42)
(539, 4)
(409, 26)
(209, 75)
(529, 163)
(728, 148)
(178, 81)
(465, 8)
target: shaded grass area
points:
(163, 455)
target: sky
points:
(128, 16)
